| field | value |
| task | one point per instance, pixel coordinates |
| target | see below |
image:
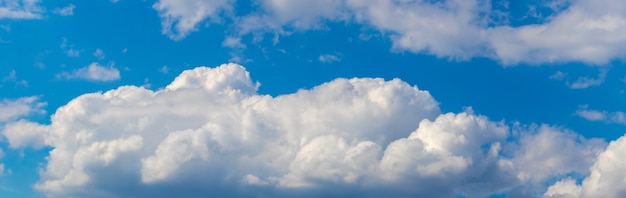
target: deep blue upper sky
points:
(564, 76)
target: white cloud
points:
(99, 54)
(22, 134)
(179, 18)
(20, 9)
(606, 178)
(585, 82)
(233, 42)
(448, 29)
(618, 117)
(559, 151)
(93, 72)
(69, 50)
(282, 15)
(210, 131)
(65, 11)
(328, 58)
(12, 77)
(14, 109)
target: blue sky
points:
(256, 98)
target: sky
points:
(312, 98)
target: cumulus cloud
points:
(210, 131)
(20, 9)
(93, 72)
(179, 18)
(606, 178)
(448, 29)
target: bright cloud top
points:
(576, 31)
(210, 131)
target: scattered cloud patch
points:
(233, 42)
(12, 77)
(559, 75)
(93, 72)
(586, 82)
(13, 109)
(618, 117)
(329, 58)
(65, 11)
(179, 18)
(21, 9)
(69, 49)
(99, 54)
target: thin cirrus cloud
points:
(93, 72)
(209, 131)
(448, 29)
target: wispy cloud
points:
(99, 54)
(21, 9)
(329, 58)
(617, 117)
(65, 11)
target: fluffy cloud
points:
(20, 9)
(93, 72)
(181, 17)
(450, 28)
(606, 178)
(11, 110)
(210, 132)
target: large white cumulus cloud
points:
(210, 132)
(588, 31)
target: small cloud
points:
(124, 50)
(65, 11)
(585, 82)
(559, 75)
(164, 69)
(233, 42)
(72, 53)
(12, 77)
(617, 117)
(93, 72)
(328, 58)
(99, 54)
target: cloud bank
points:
(585, 31)
(210, 132)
